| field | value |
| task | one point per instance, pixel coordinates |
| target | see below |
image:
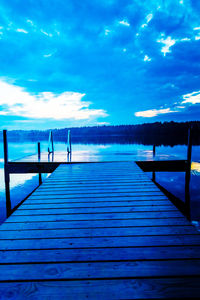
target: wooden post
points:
(154, 154)
(39, 157)
(188, 174)
(6, 174)
(69, 143)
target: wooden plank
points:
(135, 199)
(131, 203)
(91, 181)
(95, 232)
(95, 188)
(93, 195)
(100, 242)
(48, 184)
(119, 198)
(100, 254)
(100, 270)
(96, 216)
(94, 223)
(85, 190)
(91, 210)
(163, 288)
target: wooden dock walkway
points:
(98, 231)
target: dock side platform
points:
(98, 231)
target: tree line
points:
(166, 133)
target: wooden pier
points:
(98, 231)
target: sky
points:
(101, 62)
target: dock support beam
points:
(154, 154)
(6, 174)
(188, 174)
(39, 157)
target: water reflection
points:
(21, 185)
(195, 168)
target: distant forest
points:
(166, 133)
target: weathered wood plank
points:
(96, 181)
(100, 270)
(97, 242)
(96, 216)
(106, 195)
(70, 189)
(100, 254)
(94, 223)
(95, 232)
(48, 184)
(56, 204)
(92, 210)
(128, 192)
(143, 288)
(62, 199)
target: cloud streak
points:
(192, 98)
(16, 101)
(153, 112)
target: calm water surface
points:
(22, 185)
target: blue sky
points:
(75, 63)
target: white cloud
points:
(30, 22)
(107, 31)
(102, 123)
(21, 30)
(185, 39)
(125, 23)
(168, 43)
(149, 17)
(153, 112)
(46, 33)
(16, 101)
(147, 58)
(48, 55)
(192, 98)
(196, 28)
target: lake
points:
(22, 185)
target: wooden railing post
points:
(39, 157)
(6, 174)
(188, 173)
(154, 154)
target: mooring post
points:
(6, 174)
(154, 154)
(188, 173)
(39, 157)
